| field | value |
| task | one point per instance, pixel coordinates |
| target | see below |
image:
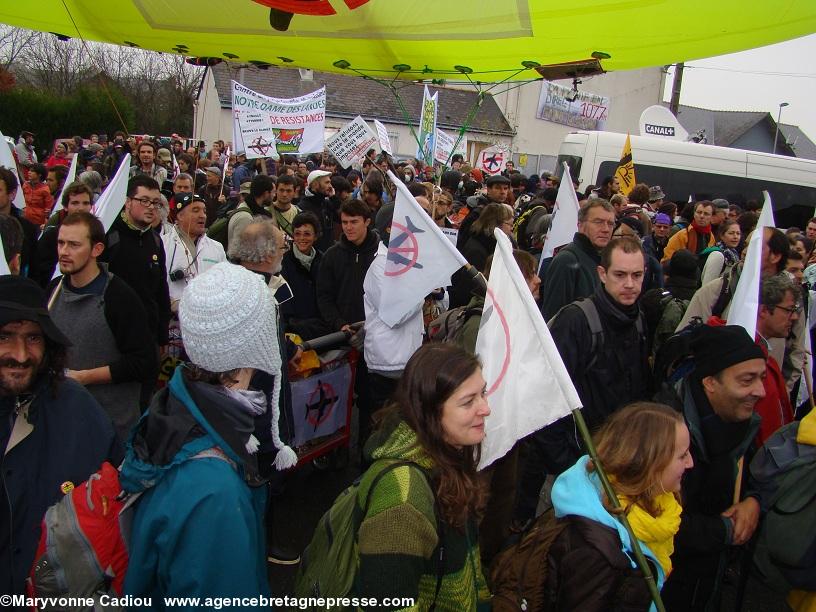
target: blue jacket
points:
(577, 493)
(197, 528)
(66, 438)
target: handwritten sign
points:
(587, 111)
(382, 136)
(351, 142)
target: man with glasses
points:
(134, 253)
(572, 274)
(779, 310)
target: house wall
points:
(629, 92)
(760, 138)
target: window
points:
(573, 163)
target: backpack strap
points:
(590, 311)
(440, 534)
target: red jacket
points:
(775, 408)
(39, 202)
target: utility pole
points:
(674, 105)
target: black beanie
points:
(716, 348)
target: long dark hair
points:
(431, 377)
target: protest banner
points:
(445, 144)
(427, 127)
(493, 160)
(382, 135)
(579, 109)
(320, 404)
(263, 125)
(351, 142)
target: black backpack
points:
(219, 230)
(674, 359)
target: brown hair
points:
(492, 216)
(75, 188)
(627, 244)
(431, 377)
(635, 446)
(96, 231)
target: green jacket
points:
(398, 537)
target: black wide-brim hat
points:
(21, 299)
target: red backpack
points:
(82, 551)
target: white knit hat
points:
(229, 320)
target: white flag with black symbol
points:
(420, 258)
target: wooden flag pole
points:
(613, 499)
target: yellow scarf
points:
(656, 532)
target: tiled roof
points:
(798, 141)
(349, 96)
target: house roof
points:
(349, 96)
(723, 128)
(798, 141)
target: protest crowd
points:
(165, 340)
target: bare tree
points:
(13, 42)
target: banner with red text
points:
(265, 127)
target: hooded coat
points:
(591, 563)
(198, 527)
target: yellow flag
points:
(626, 169)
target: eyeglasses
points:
(796, 309)
(601, 222)
(148, 203)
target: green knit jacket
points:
(398, 535)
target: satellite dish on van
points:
(659, 121)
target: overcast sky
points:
(757, 80)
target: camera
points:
(177, 275)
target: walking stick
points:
(613, 499)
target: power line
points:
(804, 75)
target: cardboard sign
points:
(382, 135)
(351, 142)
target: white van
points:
(701, 171)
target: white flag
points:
(7, 160)
(804, 396)
(745, 303)
(420, 258)
(528, 386)
(69, 178)
(565, 217)
(110, 203)
(176, 169)
(4, 268)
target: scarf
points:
(696, 235)
(656, 532)
(305, 260)
(731, 256)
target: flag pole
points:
(613, 499)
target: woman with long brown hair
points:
(644, 449)
(418, 537)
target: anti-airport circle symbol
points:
(403, 251)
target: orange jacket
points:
(38, 202)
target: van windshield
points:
(573, 162)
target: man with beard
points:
(53, 433)
(111, 351)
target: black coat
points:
(476, 251)
(702, 543)
(301, 314)
(328, 214)
(340, 281)
(138, 259)
(587, 571)
(28, 259)
(70, 439)
(572, 274)
(47, 256)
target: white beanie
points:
(229, 320)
